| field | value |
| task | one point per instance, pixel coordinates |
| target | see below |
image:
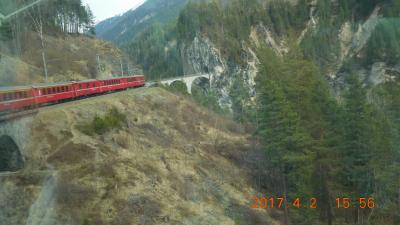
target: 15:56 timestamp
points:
(362, 203)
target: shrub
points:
(101, 125)
(177, 87)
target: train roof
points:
(14, 88)
(51, 84)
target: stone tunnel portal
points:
(11, 159)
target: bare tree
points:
(38, 25)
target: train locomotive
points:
(28, 97)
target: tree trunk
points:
(286, 212)
(45, 66)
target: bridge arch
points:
(11, 158)
(202, 83)
(180, 85)
(188, 80)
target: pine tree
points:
(356, 144)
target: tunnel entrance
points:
(11, 159)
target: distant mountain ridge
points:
(122, 29)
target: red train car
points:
(136, 81)
(89, 87)
(13, 98)
(17, 98)
(53, 93)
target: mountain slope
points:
(171, 162)
(68, 58)
(124, 28)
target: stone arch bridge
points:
(188, 80)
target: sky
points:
(103, 9)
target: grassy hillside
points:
(70, 57)
(169, 162)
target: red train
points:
(17, 98)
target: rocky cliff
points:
(201, 55)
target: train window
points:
(49, 91)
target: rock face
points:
(170, 162)
(202, 57)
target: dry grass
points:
(137, 209)
(72, 153)
(68, 58)
(171, 163)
